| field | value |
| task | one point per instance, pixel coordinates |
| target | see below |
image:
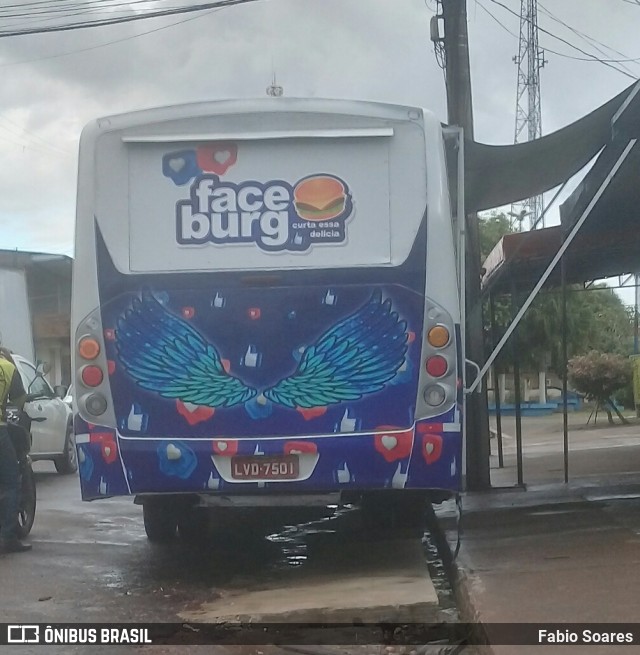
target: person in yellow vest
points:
(11, 388)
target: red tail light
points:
(437, 366)
(92, 376)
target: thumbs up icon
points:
(347, 424)
(330, 297)
(252, 357)
(343, 474)
(399, 479)
(218, 301)
(137, 419)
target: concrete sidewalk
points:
(595, 450)
(555, 553)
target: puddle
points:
(294, 539)
(553, 512)
(612, 497)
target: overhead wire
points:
(24, 20)
(565, 41)
(29, 134)
(590, 40)
(33, 147)
(588, 56)
(30, 21)
(70, 53)
(56, 6)
(219, 4)
(31, 141)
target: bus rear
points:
(265, 304)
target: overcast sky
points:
(364, 49)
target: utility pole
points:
(460, 113)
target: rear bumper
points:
(426, 456)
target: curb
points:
(461, 582)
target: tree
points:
(596, 318)
(599, 376)
(492, 228)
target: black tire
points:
(67, 462)
(394, 513)
(160, 521)
(27, 505)
(193, 525)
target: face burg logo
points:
(274, 215)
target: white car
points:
(68, 399)
(51, 420)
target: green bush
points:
(600, 375)
(624, 396)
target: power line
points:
(590, 40)
(108, 43)
(590, 57)
(65, 5)
(34, 147)
(89, 9)
(24, 131)
(76, 8)
(124, 19)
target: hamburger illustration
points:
(319, 198)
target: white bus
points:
(266, 304)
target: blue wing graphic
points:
(163, 353)
(355, 357)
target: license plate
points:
(264, 467)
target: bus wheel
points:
(394, 513)
(160, 521)
(193, 525)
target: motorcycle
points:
(18, 424)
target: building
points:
(48, 280)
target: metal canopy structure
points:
(608, 242)
(599, 236)
(502, 175)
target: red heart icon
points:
(111, 366)
(109, 334)
(188, 312)
(194, 414)
(109, 451)
(300, 448)
(225, 447)
(393, 445)
(431, 447)
(226, 365)
(217, 158)
(309, 413)
(254, 313)
(411, 336)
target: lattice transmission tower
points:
(530, 59)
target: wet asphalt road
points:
(91, 562)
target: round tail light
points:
(91, 376)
